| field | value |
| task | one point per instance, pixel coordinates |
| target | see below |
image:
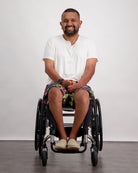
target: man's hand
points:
(66, 83)
(70, 85)
(73, 87)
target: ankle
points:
(71, 137)
(63, 138)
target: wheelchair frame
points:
(93, 121)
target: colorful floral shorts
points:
(67, 97)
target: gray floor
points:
(116, 157)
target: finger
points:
(71, 83)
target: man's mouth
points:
(70, 28)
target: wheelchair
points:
(90, 131)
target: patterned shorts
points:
(68, 98)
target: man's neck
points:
(72, 39)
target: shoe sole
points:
(60, 148)
(73, 148)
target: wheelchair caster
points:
(94, 157)
(44, 156)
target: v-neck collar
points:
(69, 43)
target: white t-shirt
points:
(69, 60)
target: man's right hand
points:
(66, 83)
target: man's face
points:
(70, 23)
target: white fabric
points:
(69, 60)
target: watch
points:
(60, 81)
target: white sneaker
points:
(73, 145)
(61, 145)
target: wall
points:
(25, 27)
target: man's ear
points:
(61, 24)
(80, 23)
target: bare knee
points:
(82, 97)
(54, 94)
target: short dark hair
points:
(71, 10)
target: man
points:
(70, 61)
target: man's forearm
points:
(86, 77)
(53, 74)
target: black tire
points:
(44, 156)
(40, 144)
(94, 157)
(100, 127)
(42, 130)
(41, 135)
(37, 124)
(94, 129)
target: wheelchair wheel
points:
(37, 125)
(100, 128)
(42, 130)
(94, 157)
(94, 128)
(44, 156)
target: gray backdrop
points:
(25, 27)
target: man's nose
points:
(69, 23)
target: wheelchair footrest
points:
(82, 149)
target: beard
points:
(71, 33)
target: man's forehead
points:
(69, 15)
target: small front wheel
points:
(94, 157)
(44, 156)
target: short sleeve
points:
(91, 51)
(49, 50)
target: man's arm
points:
(88, 73)
(51, 72)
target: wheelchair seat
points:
(92, 123)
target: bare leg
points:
(81, 108)
(55, 105)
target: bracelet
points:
(60, 81)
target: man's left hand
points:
(73, 87)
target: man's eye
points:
(73, 20)
(65, 21)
